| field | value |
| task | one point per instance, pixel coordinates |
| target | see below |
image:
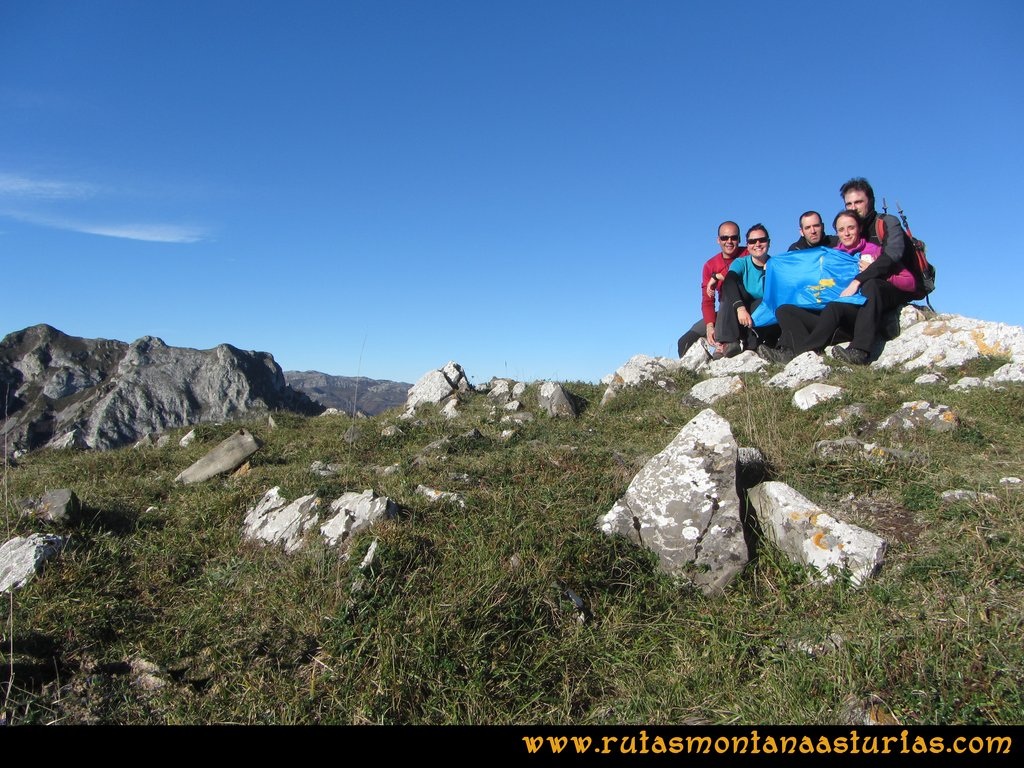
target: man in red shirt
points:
(711, 279)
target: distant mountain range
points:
(349, 393)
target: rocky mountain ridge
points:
(349, 393)
(63, 391)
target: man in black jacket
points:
(872, 283)
(812, 233)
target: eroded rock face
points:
(951, 340)
(810, 536)
(105, 394)
(683, 506)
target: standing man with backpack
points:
(897, 252)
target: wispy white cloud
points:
(151, 233)
(20, 186)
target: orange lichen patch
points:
(984, 347)
(948, 416)
(935, 329)
(819, 540)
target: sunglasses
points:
(756, 240)
(723, 238)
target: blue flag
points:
(808, 279)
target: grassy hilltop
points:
(463, 617)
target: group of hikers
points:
(878, 250)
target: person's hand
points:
(711, 333)
(744, 317)
(864, 263)
(710, 290)
(851, 289)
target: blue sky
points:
(529, 188)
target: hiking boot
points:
(732, 349)
(780, 355)
(850, 355)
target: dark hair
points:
(729, 222)
(860, 184)
(853, 214)
(805, 214)
(761, 227)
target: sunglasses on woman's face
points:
(756, 240)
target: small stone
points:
(187, 440)
(803, 368)
(23, 556)
(929, 378)
(812, 394)
(450, 410)
(1010, 481)
(967, 382)
(59, 506)
(435, 495)
(351, 435)
(513, 405)
(391, 431)
(961, 494)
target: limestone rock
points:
(814, 538)
(921, 413)
(23, 556)
(500, 390)
(355, 511)
(961, 494)
(812, 394)
(641, 368)
(949, 341)
(435, 386)
(848, 413)
(553, 400)
(321, 469)
(1009, 373)
(435, 495)
(609, 393)
(744, 362)
(695, 359)
(450, 410)
(844, 446)
(710, 390)
(520, 417)
(801, 369)
(930, 378)
(227, 456)
(683, 506)
(518, 389)
(1010, 481)
(274, 521)
(966, 382)
(512, 406)
(391, 431)
(59, 506)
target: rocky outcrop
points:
(95, 393)
(435, 387)
(683, 505)
(349, 394)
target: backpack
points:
(917, 251)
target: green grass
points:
(462, 618)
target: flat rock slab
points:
(812, 394)
(963, 495)
(710, 390)
(355, 511)
(227, 456)
(803, 368)
(684, 503)
(813, 538)
(23, 556)
(949, 341)
(879, 454)
(641, 368)
(274, 521)
(921, 413)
